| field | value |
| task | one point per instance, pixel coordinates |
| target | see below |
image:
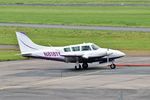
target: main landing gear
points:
(112, 66)
(78, 66)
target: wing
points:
(85, 55)
(71, 54)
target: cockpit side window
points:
(77, 48)
(94, 47)
(67, 49)
(86, 48)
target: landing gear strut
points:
(112, 66)
(78, 66)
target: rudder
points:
(26, 45)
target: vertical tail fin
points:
(25, 44)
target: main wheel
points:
(77, 67)
(84, 65)
(112, 66)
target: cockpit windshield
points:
(94, 47)
(86, 48)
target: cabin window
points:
(86, 48)
(67, 49)
(94, 47)
(76, 48)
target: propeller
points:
(107, 53)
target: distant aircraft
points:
(81, 53)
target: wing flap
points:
(71, 55)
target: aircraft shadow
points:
(89, 69)
(68, 69)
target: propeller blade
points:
(107, 56)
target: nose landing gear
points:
(112, 66)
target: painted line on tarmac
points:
(66, 78)
(111, 28)
(134, 65)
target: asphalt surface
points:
(43, 79)
(8, 47)
(137, 29)
(40, 79)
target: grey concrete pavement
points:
(74, 94)
(44, 79)
(9, 47)
(134, 60)
(138, 29)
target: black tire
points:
(84, 65)
(113, 66)
(78, 67)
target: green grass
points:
(61, 37)
(10, 55)
(105, 16)
(136, 41)
(72, 1)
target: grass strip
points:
(61, 37)
(73, 1)
(10, 55)
(102, 16)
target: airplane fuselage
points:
(55, 54)
(81, 53)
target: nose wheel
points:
(112, 66)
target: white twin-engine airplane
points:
(81, 53)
